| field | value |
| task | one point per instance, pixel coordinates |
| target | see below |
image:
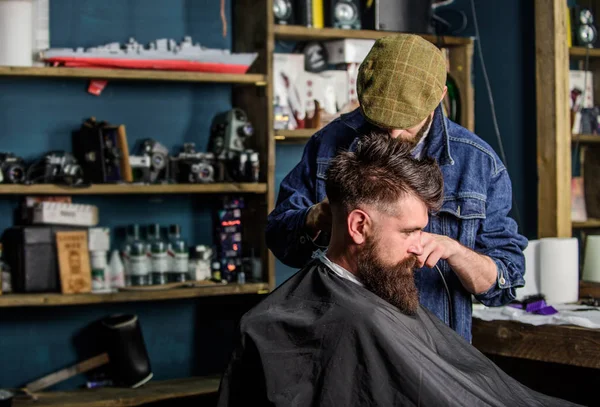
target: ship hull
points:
(154, 64)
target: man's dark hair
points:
(380, 172)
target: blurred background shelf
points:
(153, 391)
(300, 33)
(57, 299)
(586, 138)
(127, 189)
(582, 51)
(588, 224)
(132, 74)
(297, 136)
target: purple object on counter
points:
(540, 307)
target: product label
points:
(159, 262)
(138, 265)
(180, 263)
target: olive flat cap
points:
(401, 81)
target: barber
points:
(400, 86)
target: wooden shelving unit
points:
(300, 33)
(52, 299)
(554, 139)
(132, 74)
(152, 392)
(131, 189)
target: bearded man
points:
(348, 328)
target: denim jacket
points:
(477, 199)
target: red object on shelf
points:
(97, 86)
(163, 65)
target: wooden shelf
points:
(127, 189)
(151, 392)
(301, 33)
(300, 135)
(586, 138)
(581, 52)
(588, 224)
(132, 74)
(56, 299)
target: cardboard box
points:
(348, 51)
(59, 213)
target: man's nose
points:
(416, 247)
(395, 133)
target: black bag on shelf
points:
(30, 251)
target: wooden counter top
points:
(570, 345)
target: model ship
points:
(162, 54)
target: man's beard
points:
(395, 284)
(419, 136)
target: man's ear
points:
(444, 94)
(358, 225)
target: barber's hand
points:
(319, 218)
(436, 248)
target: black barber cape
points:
(321, 340)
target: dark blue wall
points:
(507, 30)
(507, 38)
(36, 115)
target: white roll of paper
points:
(559, 269)
(16, 39)
(591, 264)
(40, 34)
(532, 271)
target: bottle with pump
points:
(179, 256)
(159, 261)
(139, 273)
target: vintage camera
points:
(101, 151)
(151, 152)
(56, 167)
(229, 133)
(140, 168)
(12, 169)
(193, 167)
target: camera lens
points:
(15, 174)
(73, 174)
(158, 161)
(201, 172)
(345, 13)
(586, 16)
(282, 9)
(246, 130)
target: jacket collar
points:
(438, 139)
